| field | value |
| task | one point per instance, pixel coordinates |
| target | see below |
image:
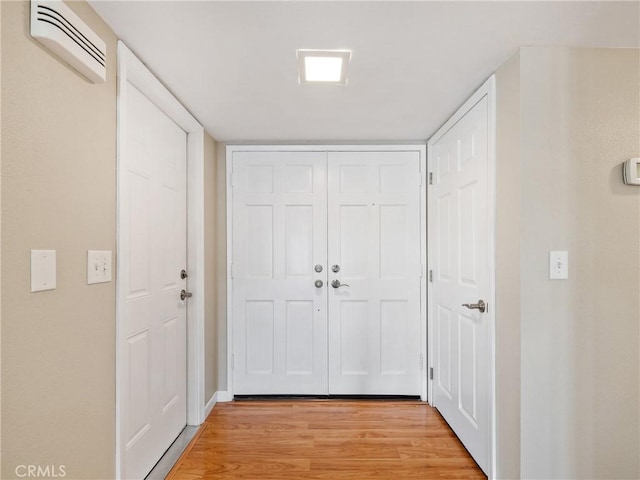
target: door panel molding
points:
(133, 74)
(390, 184)
(437, 207)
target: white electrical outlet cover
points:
(43, 270)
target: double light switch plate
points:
(98, 266)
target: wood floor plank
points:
(325, 439)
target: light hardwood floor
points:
(325, 439)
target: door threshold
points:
(394, 398)
(173, 453)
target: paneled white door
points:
(152, 247)
(295, 333)
(374, 255)
(461, 254)
(279, 237)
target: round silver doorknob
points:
(335, 268)
(319, 283)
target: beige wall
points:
(221, 263)
(211, 328)
(579, 119)
(604, 131)
(508, 213)
(58, 192)
(580, 352)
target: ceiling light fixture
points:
(323, 66)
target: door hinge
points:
(421, 362)
(431, 276)
(430, 178)
(431, 373)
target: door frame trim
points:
(132, 71)
(410, 147)
(488, 89)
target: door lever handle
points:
(184, 295)
(476, 306)
(336, 284)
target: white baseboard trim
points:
(220, 396)
(210, 404)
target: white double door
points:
(302, 221)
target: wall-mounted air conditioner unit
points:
(60, 30)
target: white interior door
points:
(279, 237)
(152, 250)
(461, 246)
(374, 244)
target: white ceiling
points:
(233, 64)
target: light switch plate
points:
(558, 265)
(98, 266)
(43, 270)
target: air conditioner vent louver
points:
(58, 28)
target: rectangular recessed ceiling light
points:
(323, 66)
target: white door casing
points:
(401, 166)
(158, 380)
(374, 240)
(461, 234)
(279, 227)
